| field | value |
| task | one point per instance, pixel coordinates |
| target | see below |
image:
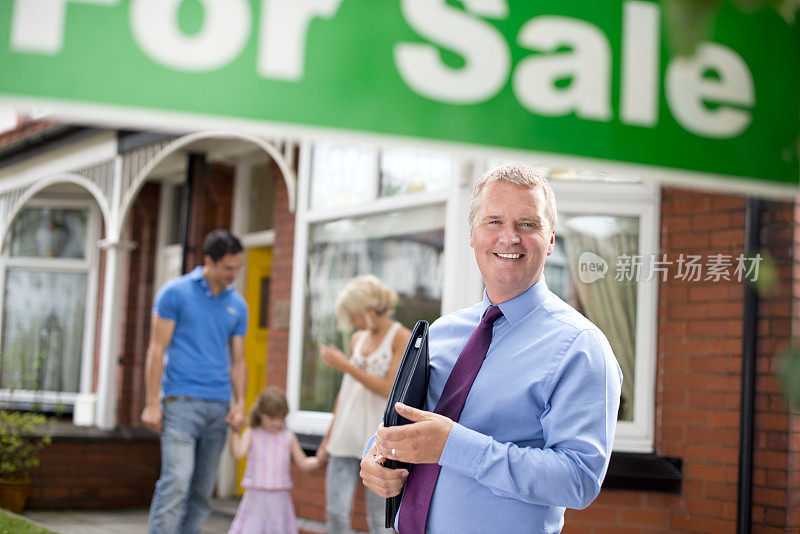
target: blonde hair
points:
(271, 401)
(519, 175)
(361, 294)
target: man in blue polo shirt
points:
(199, 323)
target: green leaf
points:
(688, 23)
(790, 371)
(20, 443)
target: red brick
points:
(722, 491)
(718, 526)
(706, 471)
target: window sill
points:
(644, 472)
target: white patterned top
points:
(359, 411)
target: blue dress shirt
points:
(537, 428)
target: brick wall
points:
(111, 471)
(137, 294)
(698, 381)
(793, 471)
(308, 495)
(280, 289)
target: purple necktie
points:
(422, 478)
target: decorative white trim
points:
(106, 407)
(47, 181)
(297, 420)
(143, 174)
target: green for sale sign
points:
(588, 79)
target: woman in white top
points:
(375, 353)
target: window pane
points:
(403, 249)
(263, 312)
(608, 300)
(342, 176)
(260, 198)
(50, 233)
(42, 339)
(406, 171)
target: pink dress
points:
(266, 507)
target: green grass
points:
(13, 524)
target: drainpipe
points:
(744, 510)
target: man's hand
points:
(381, 480)
(421, 442)
(235, 417)
(151, 417)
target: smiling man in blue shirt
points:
(194, 359)
(537, 427)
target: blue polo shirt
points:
(197, 361)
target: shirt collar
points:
(196, 275)
(516, 309)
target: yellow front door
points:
(256, 293)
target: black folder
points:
(410, 387)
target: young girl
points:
(266, 506)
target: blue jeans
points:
(341, 479)
(192, 437)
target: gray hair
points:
(519, 175)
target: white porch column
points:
(116, 251)
(106, 409)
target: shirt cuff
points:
(464, 450)
(370, 443)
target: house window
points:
(363, 211)
(586, 245)
(606, 241)
(403, 248)
(361, 208)
(47, 303)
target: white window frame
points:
(456, 252)
(241, 207)
(640, 199)
(167, 253)
(89, 265)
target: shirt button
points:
(208, 293)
